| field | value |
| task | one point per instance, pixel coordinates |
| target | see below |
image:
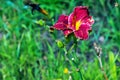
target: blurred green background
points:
(28, 51)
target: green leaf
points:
(113, 71)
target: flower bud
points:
(60, 43)
(40, 22)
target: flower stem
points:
(75, 43)
(99, 52)
(102, 69)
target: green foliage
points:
(112, 66)
(28, 51)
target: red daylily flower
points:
(78, 22)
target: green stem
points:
(102, 69)
(76, 43)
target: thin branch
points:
(99, 52)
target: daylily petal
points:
(88, 20)
(62, 23)
(83, 33)
(71, 21)
(81, 12)
(63, 18)
(67, 32)
(76, 17)
(60, 26)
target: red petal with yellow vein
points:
(79, 13)
(83, 32)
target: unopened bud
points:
(40, 22)
(60, 43)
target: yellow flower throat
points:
(78, 23)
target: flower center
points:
(78, 23)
